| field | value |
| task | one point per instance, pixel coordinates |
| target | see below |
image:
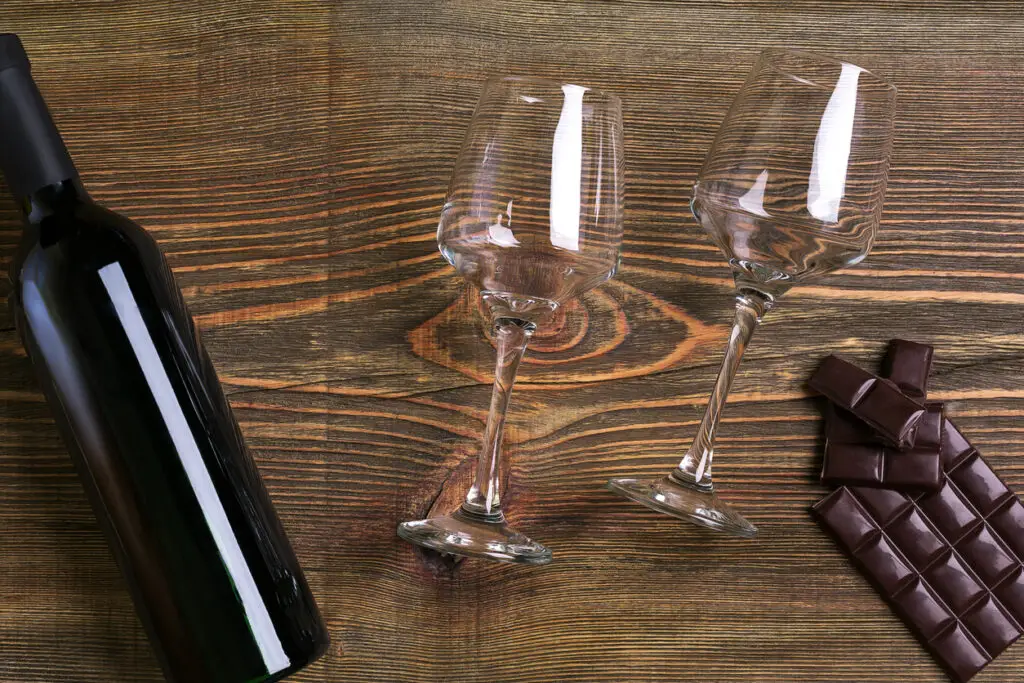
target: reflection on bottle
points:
(128, 313)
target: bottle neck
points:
(33, 158)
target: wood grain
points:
(291, 157)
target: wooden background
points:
(291, 157)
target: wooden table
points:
(291, 157)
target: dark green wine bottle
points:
(213, 577)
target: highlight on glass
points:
(533, 219)
(792, 189)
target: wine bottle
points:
(160, 455)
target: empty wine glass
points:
(791, 189)
(534, 219)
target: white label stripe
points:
(128, 313)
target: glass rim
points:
(554, 84)
(820, 57)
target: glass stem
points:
(484, 497)
(695, 468)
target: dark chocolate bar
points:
(893, 415)
(948, 562)
(855, 457)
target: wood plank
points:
(291, 157)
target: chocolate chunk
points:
(929, 431)
(907, 365)
(841, 382)
(852, 464)
(854, 456)
(955, 446)
(894, 416)
(913, 470)
(949, 562)
(842, 427)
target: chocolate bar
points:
(948, 562)
(855, 456)
(879, 403)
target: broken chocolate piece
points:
(893, 415)
(907, 364)
(855, 457)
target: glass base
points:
(674, 498)
(471, 535)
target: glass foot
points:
(462, 533)
(673, 498)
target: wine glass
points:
(533, 218)
(791, 189)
